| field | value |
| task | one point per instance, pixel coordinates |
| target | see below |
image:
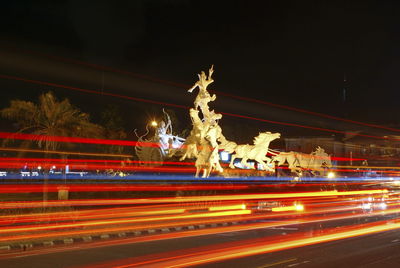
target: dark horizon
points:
(288, 53)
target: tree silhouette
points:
(51, 117)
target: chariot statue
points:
(299, 164)
(206, 140)
(154, 150)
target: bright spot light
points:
(39, 167)
(224, 156)
(382, 205)
(53, 167)
(331, 175)
(229, 207)
(366, 206)
(153, 123)
(295, 207)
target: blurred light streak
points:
(23, 136)
(180, 85)
(14, 165)
(186, 107)
(304, 111)
(370, 167)
(137, 210)
(308, 127)
(297, 207)
(62, 152)
(37, 188)
(235, 228)
(66, 161)
(22, 188)
(10, 77)
(119, 212)
(225, 252)
(91, 214)
(181, 199)
(80, 224)
(231, 207)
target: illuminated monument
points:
(206, 138)
(206, 135)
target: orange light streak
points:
(123, 221)
(225, 253)
(53, 203)
(250, 226)
(219, 208)
(16, 188)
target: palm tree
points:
(50, 117)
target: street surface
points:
(376, 250)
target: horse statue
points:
(256, 152)
(299, 163)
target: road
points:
(376, 250)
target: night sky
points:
(293, 53)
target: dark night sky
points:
(288, 52)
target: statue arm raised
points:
(193, 87)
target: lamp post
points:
(153, 123)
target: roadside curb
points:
(99, 237)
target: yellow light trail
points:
(225, 253)
(53, 203)
(122, 221)
(230, 207)
(288, 208)
(203, 220)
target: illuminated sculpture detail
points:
(206, 138)
(203, 97)
(300, 162)
(153, 150)
(256, 152)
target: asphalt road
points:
(377, 250)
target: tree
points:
(112, 121)
(51, 117)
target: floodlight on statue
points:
(331, 175)
(153, 123)
(224, 156)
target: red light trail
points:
(185, 199)
(186, 107)
(180, 85)
(228, 251)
